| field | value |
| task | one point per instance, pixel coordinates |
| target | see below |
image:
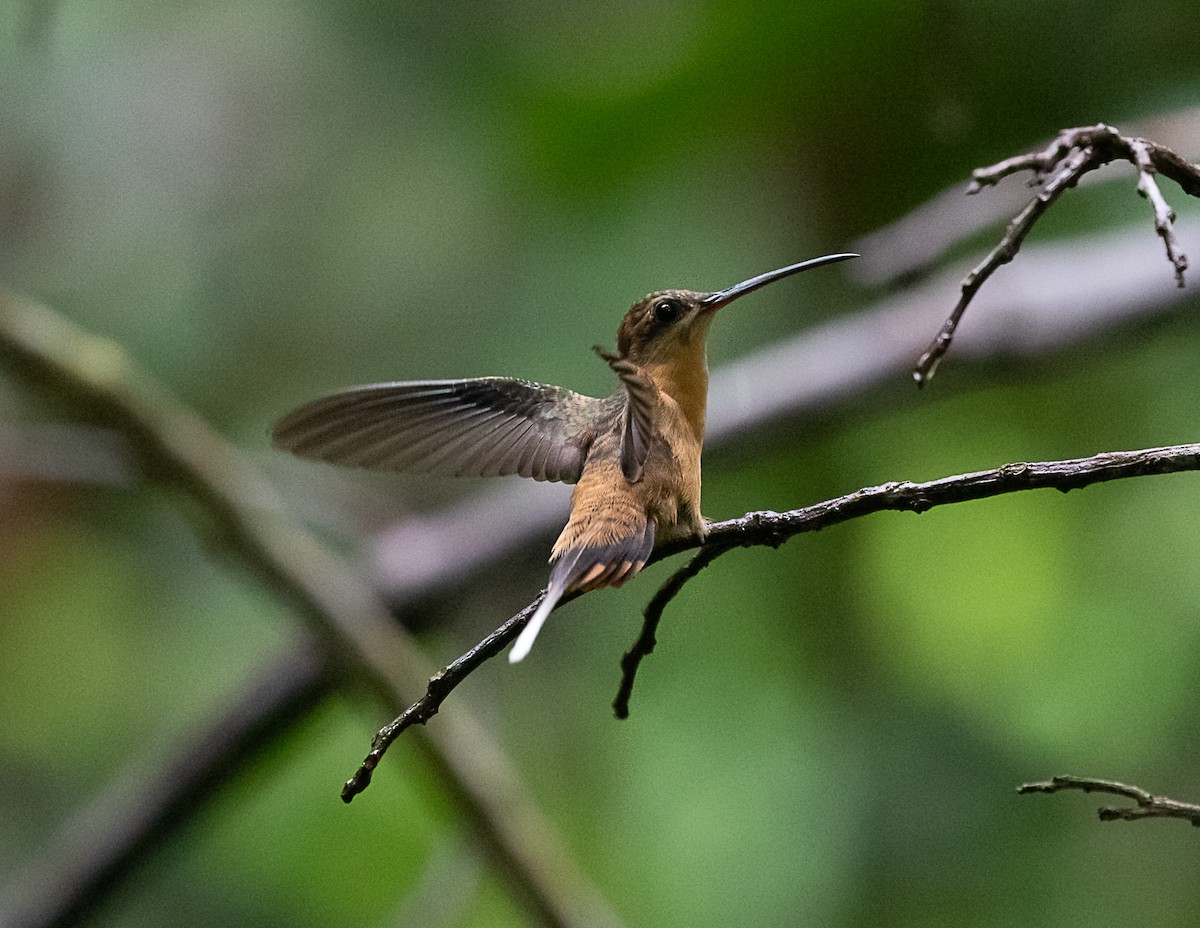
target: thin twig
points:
(427, 706)
(1148, 805)
(905, 250)
(773, 528)
(1164, 216)
(1056, 168)
(651, 617)
(1072, 169)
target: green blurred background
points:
(263, 201)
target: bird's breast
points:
(670, 487)
(683, 383)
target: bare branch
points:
(1148, 805)
(773, 529)
(1056, 168)
(906, 249)
(1072, 169)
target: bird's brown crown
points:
(661, 323)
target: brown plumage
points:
(634, 457)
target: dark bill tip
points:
(721, 297)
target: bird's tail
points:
(586, 567)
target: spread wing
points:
(483, 427)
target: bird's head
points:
(668, 324)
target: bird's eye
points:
(667, 311)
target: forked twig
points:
(1056, 168)
(772, 529)
(1148, 805)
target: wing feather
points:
(485, 426)
(509, 448)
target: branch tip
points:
(1147, 804)
(1055, 169)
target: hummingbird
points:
(634, 457)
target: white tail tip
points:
(524, 643)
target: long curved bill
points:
(716, 300)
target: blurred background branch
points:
(177, 450)
(97, 850)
